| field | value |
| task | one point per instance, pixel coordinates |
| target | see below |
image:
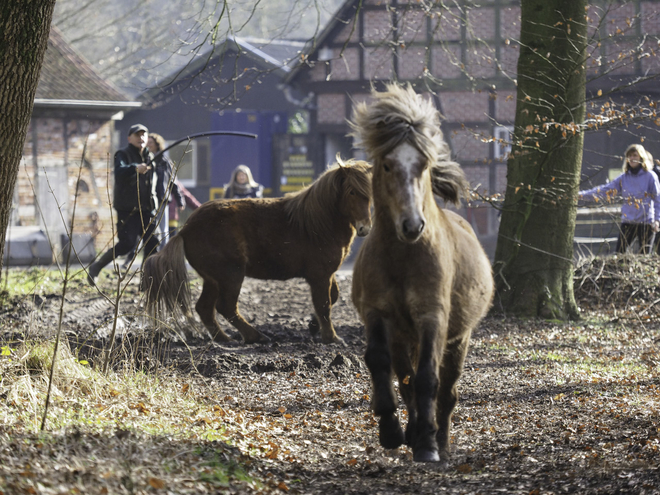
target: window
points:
(502, 135)
(184, 160)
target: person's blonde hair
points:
(246, 170)
(645, 157)
(159, 140)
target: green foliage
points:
(299, 122)
(34, 280)
(219, 471)
(39, 280)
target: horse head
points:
(400, 131)
(402, 184)
(355, 202)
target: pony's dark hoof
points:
(390, 432)
(314, 326)
(426, 455)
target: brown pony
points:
(421, 281)
(307, 234)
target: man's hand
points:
(656, 226)
(142, 168)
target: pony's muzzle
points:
(412, 228)
(363, 229)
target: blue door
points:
(227, 152)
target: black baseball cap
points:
(136, 128)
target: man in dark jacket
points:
(134, 200)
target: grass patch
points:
(132, 430)
(34, 280)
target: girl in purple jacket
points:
(640, 190)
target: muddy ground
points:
(545, 407)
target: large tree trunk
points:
(24, 30)
(533, 259)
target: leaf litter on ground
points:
(545, 407)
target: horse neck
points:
(329, 228)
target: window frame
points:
(504, 133)
(191, 147)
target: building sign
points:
(297, 168)
(297, 172)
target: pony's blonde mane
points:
(398, 114)
(313, 209)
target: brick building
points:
(69, 146)
(463, 55)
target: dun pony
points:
(307, 234)
(421, 281)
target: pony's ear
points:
(340, 162)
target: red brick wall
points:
(377, 26)
(468, 146)
(481, 23)
(621, 19)
(331, 108)
(510, 23)
(92, 212)
(412, 26)
(595, 60)
(650, 13)
(509, 59)
(411, 62)
(505, 106)
(378, 63)
(620, 57)
(594, 17)
(351, 30)
(317, 73)
(463, 106)
(481, 61)
(446, 61)
(652, 62)
(345, 65)
(478, 22)
(446, 25)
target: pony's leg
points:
(314, 325)
(450, 372)
(227, 306)
(405, 372)
(205, 308)
(321, 290)
(425, 447)
(383, 401)
(334, 290)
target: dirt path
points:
(544, 408)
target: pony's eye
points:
(386, 167)
(352, 193)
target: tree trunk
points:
(533, 260)
(24, 28)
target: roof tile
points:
(66, 75)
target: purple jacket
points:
(640, 193)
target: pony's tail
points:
(165, 280)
